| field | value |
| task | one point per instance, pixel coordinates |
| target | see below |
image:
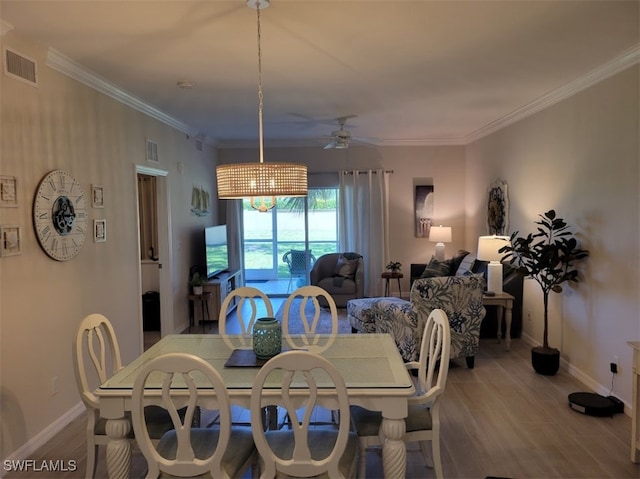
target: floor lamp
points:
(488, 247)
(440, 235)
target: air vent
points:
(20, 67)
(152, 151)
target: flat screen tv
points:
(216, 251)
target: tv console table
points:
(220, 287)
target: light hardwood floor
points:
(499, 419)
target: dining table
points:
(374, 373)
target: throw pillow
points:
(437, 268)
(466, 265)
(346, 267)
(445, 267)
(457, 259)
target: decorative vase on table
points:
(197, 290)
(267, 338)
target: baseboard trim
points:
(27, 449)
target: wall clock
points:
(60, 215)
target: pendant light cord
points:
(260, 95)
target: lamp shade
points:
(488, 247)
(242, 180)
(440, 234)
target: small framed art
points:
(8, 191)
(97, 196)
(423, 210)
(99, 231)
(10, 240)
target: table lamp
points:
(488, 247)
(440, 235)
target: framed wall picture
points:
(99, 231)
(97, 196)
(498, 209)
(8, 191)
(423, 210)
(10, 239)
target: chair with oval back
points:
(95, 339)
(302, 451)
(423, 420)
(185, 451)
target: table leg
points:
(507, 322)
(386, 287)
(399, 289)
(499, 315)
(202, 311)
(118, 448)
(394, 451)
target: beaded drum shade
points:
(241, 180)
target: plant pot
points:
(197, 290)
(545, 361)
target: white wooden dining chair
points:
(247, 311)
(423, 420)
(309, 333)
(185, 451)
(95, 340)
(310, 337)
(295, 380)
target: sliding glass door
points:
(296, 224)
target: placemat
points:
(244, 358)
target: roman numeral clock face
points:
(60, 215)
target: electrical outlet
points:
(616, 361)
(613, 367)
(529, 315)
(54, 385)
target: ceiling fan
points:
(341, 138)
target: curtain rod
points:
(346, 172)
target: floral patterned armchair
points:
(460, 297)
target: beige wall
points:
(581, 158)
(63, 124)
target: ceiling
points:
(414, 72)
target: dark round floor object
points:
(591, 404)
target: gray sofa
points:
(341, 275)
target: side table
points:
(504, 301)
(203, 299)
(387, 275)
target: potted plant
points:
(394, 266)
(547, 256)
(197, 282)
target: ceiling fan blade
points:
(330, 145)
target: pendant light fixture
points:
(261, 180)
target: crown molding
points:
(67, 66)
(626, 59)
(72, 69)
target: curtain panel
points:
(363, 219)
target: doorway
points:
(154, 251)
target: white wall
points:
(581, 158)
(63, 124)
